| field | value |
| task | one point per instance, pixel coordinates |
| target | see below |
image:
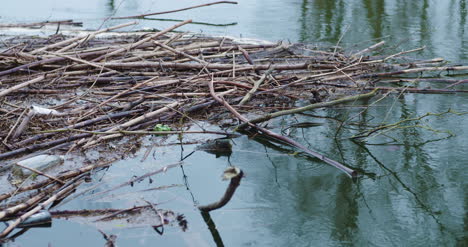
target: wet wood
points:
(230, 190)
(123, 86)
(176, 10)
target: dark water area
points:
(413, 188)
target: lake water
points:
(412, 193)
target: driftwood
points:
(284, 139)
(235, 177)
(63, 191)
(43, 23)
(101, 89)
(114, 77)
(309, 107)
(172, 11)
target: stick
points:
(89, 112)
(92, 35)
(229, 134)
(308, 108)
(41, 206)
(291, 142)
(417, 90)
(136, 44)
(172, 11)
(133, 122)
(415, 70)
(79, 60)
(255, 87)
(41, 173)
(66, 175)
(149, 174)
(368, 49)
(181, 53)
(188, 66)
(27, 204)
(233, 184)
(43, 145)
(50, 61)
(395, 55)
(21, 85)
(63, 22)
(84, 37)
(45, 134)
(457, 83)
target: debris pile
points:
(79, 92)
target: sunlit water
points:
(413, 192)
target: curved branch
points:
(235, 181)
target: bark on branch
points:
(236, 177)
(350, 172)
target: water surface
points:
(412, 193)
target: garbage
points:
(40, 163)
(41, 219)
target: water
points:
(413, 192)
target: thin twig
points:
(172, 11)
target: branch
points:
(235, 174)
(350, 172)
(309, 107)
(172, 11)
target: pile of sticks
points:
(98, 88)
(95, 90)
(79, 92)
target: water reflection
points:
(439, 25)
(414, 191)
(403, 205)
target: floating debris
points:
(305, 125)
(77, 93)
(41, 219)
(40, 163)
(218, 147)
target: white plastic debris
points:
(40, 163)
(43, 111)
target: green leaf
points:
(161, 127)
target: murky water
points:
(413, 192)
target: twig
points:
(309, 107)
(110, 239)
(41, 173)
(291, 142)
(133, 122)
(81, 38)
(27, 204)
(149, 174)
(172, 11)
(229, 134)
(66, 175)
(35, 24)
(368, 49)
(181, 53)
(188, 66)
(41, 206)
(140, 42)
(415, 70)
(21, 85)
(255, 87)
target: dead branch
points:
(172, 11)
